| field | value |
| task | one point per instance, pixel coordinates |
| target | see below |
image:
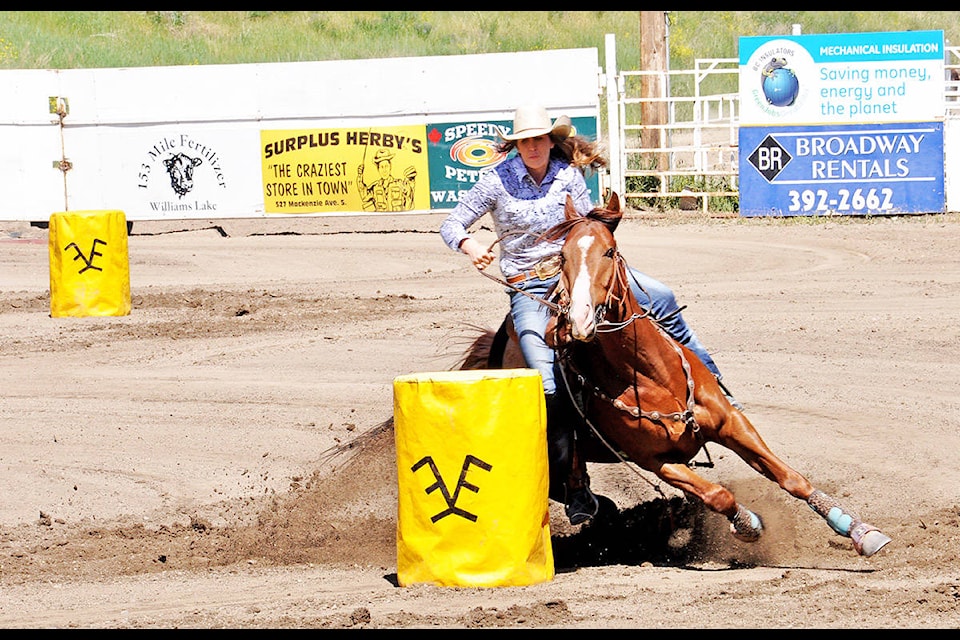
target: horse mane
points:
(560, 229)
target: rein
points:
(605, 326)
(596, 432)
(553, 306)
(550, 305)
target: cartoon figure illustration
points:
(773, 65)
(780, 84)
(387, 193)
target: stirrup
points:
(581, 505)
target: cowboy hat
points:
(383, 154)
(532, 121)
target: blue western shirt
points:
(521, 210)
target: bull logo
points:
(180, 168)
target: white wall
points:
(121, 123)
(951, 169)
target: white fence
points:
(102, 138)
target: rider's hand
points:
(479, 255)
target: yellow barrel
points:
(472, 473)
(89, 264)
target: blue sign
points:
(866, 169)
(842, 124)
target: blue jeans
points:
(659, 299)
(530, 319)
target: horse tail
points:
(363, 441)
(486, 350)
(497, 346)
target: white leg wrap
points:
(746, 525)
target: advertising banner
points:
(841, 78)
(857, 169)
(321, 170)
(842, 124)
(384, 169)
(459, 151)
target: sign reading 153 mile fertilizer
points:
(842, 124)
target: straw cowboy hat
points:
(532, 121)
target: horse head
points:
(589, 266)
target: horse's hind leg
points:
(740, 436)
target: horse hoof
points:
(751, 535)
(867, 539)
(746, 525)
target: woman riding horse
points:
(525, 196)
(648, 396)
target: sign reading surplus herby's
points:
(351, 137)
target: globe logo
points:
(780, 84)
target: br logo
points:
(87, 260)
(451, 500)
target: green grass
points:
(95, 39)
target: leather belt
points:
(546, 268)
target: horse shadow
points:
(661, 532)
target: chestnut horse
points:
(647, 398)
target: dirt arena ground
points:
(171, 468)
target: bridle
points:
(619, 277)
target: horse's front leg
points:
(867, 539)
(744, 524)
(740, 436)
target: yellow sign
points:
(89, 264)
(323, 170)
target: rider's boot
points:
(581, 503)
(569, 482)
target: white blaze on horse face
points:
(581, 313)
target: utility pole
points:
(653, 58)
